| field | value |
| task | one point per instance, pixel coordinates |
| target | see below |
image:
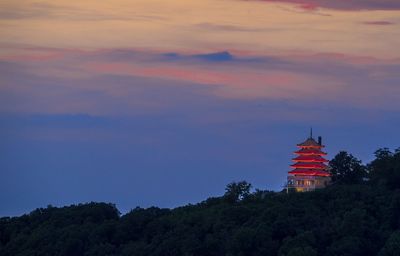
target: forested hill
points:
(358, 215)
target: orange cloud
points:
(203, 26)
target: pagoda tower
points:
(309, 171)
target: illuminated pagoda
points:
(310, 171)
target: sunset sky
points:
(164, 102)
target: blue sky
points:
(185, 152)
(145, 102)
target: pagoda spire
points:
(311, 133)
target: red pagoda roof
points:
(310, 142)
(310, 151)
(309, 172)
(310, 158)
(309, 165)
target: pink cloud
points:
(342, 4)
(309, 6)
(166, 72)
(381, 23)
(303, 77)
(235, 82)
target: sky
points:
(154, 102)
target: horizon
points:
(151, 103)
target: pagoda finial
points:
(311, 133)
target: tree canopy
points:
(237, 191)
(345, 168)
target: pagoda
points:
(309, 171)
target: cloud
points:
(343, 4)
(235, 83)
(209, 57)
(144, 25)
(225, 27)
(79, 80)
(215, 57)
(67, 11)
(379, 23)
(302, 77)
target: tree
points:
(385, 169)
(237, 191)
(383, 153)
(345, 168)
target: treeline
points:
(359, 214)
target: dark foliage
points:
(237, 191)
(347, 169)
(384, 170)
(359, 218)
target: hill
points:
(357, 215)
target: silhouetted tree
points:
(237, 191)
(385, 169)
(345, 168)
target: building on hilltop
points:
(310, 171)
